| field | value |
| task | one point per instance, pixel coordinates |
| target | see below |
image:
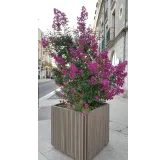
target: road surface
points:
(46, 87)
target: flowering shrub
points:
(87, 78)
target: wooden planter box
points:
(80, 137)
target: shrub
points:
(87, 78)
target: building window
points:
(114, 59)
(113, 24)
(97, 4)
(121, 11)
(108, 35)
(103, 44)
(106, 14)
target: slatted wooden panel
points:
(77, 136)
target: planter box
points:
(80, 137)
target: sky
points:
(72, 9)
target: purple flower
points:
(62, 95)
(86, 105)
(44, 42)
(97, 97)
(64, 71)
(81, 71)
(106, 83)
(93, 81)
(93, 67)
(73, 90)
(60, 19)
(74, 68)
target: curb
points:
(48, 95)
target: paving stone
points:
(125, 131)
(114, 154)
(54, 155)
(45, 146)
(119, 142)
(116, 126)
(119, 110)
(44, 113)
(38, 156)
(48, 102)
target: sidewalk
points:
(117, 148)
(43, 80)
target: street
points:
(46, 87)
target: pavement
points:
(117, 148)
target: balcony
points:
(110, 36)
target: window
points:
(97, 4)
(107, 27)
(120, 11)
(103, 44)
(113, 24)
(115, 59)
(106, 14)
(108, 35)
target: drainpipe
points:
(104, 25)
(126, 3)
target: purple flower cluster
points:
(62, 95)
(59, 60)
(120, 74)
(105, 84)
(86, 105)
(60, 19)
(93, 81)
(82, 64)
(88, 39)
(81, 71)
(93, 67)
(65, 72)
(81, 20)
(73, 90)
(44, 42)
(73, 71)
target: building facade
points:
(111, 26)
(44, 59)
